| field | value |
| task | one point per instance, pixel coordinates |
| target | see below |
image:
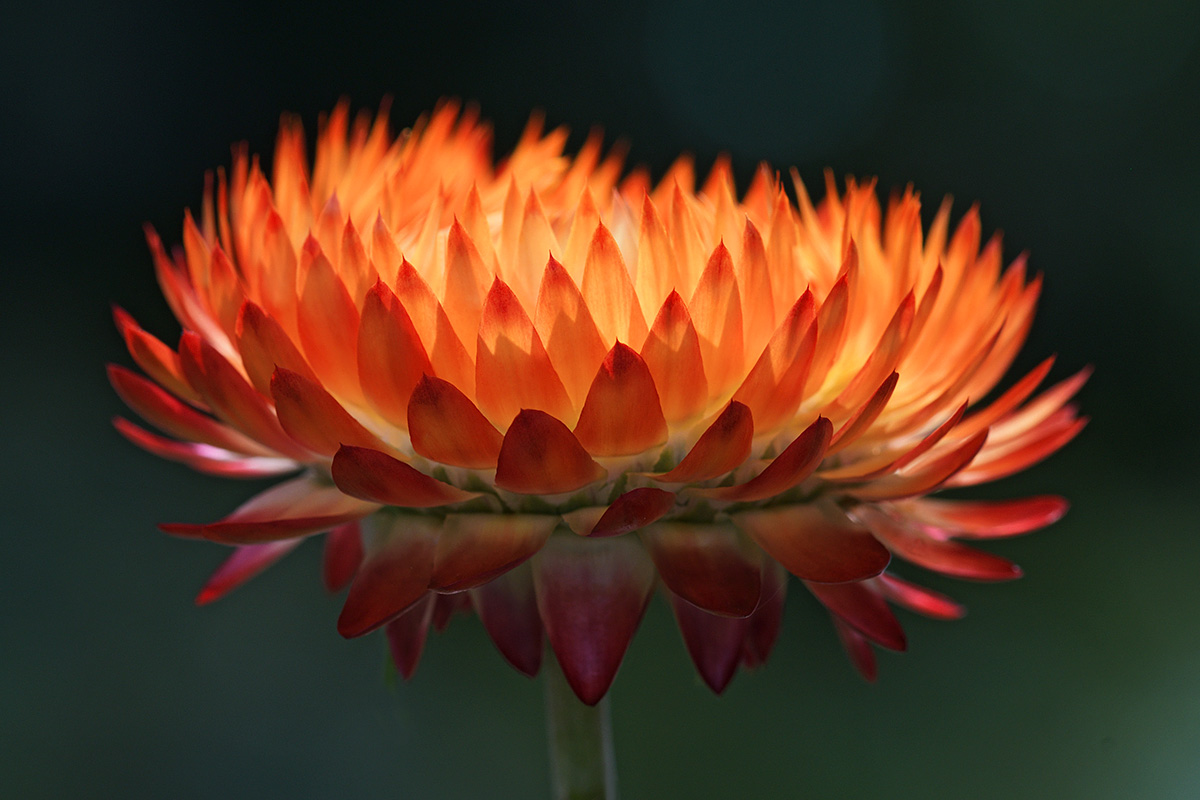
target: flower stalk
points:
(582, 766)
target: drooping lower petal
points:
(767, 619)
(507, 607)
(713, 642)
(371, 475)
(858, 648)
(406, 635)
(475, 548)
(342, 555)
(711, 566)
(591, 594)
(815, 542)
(394, 575)
(246, 562)
(862, 609)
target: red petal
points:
(314, 418)
(672, 354)
(815, 542)
(475, 548)
(446, 606)
(798, 460)
(391, 358)
(918, 598)
(621, 415)
(591, 594)
(861, 654)
(299, 507)
(393, 577)
(988, 519)
(508, 346)
(158, 360)
(406, 635)
(864, 416)
(714, 643)
(925, 479)
(948, 558)
(1057, 433)
(541, 456)
(371, 475)
(709, 565)
(446, 426)
(721, 448)
(246, 562)
(774, 387)
(507, 607)
(635, 509)
(204, 457)
(864, 610)
(767, 619)
(343, 553)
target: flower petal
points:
(391, 358)
(566, 328)
(858, 648)
(204, 457)
(948, 558)
(609, 292)
(158, 360)
(861, 419)
(923, 479)
(509, 346)
(621, 415)
(314, 418)
(713, 642)
(918, 598)
(342, 555)
(711, 566)
(371, 475)
(264, 345)
(863, 610)
(815, 542)
(507, 607)
(635, 509)
(406, 635)
(246, 562)
(475, 548)
(591, 594)
(394, 575)
(984, 519)
(722, 447)
(327, 320)
(716, 309)
(767, 619)
(798, 460)
(540, 455)
(774, 387)
(446, 426)
(672, 354)
(447, 353)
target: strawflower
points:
(542, 389)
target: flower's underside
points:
(542, 389)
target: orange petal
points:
(565, 326)
(371, 475)
(815, 542)
(657, 271)
(774, 387)
(721, 448)
(264, 345)
(392, 577)
(716, 310)
(861, 419)
(446, 351)
(540, 455)
(158, 360)
(754, 282)
(446, 426)
(391, 358)
(512, 369)
(712, 566)
(621, 415)
(475, 548)
(798, 460)
(672, 354)
(924, 479)
(467, 282)
(328, 324)
(314, 418)
(609, 292)
(881, 363)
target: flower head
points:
(542, 388)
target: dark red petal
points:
(314, 418)
(798, 460)
(393, 576)
(246, 562)
(406, 635)
(767, 619)
(372, 475)
(863, 609)
(989, 519)
(709, 565)
(918, 598)
(507, 607)
(863, 416)
(474, 548)
(721, 448)
(591, 594)
(861, 654)
(713, 642)
(540, 455)
(446, 426)
(446, 606)
(948, 558)
(635, 509)
(343, 553)
(621, 415)
(815, 542)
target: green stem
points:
(581, 750)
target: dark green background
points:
(1074, 124)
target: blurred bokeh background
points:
(1076, 125)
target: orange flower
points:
(540, 389)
